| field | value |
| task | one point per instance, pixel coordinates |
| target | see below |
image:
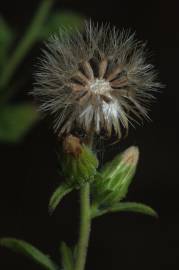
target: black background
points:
(28, 170)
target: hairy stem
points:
(84, 227)
(25, 44)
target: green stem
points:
(84, 227)
(26, 43)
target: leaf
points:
(67, 257)
(126, 207)
(15, 121)
(75, 252)
(134, 207)
(67, 20)
(30, 251)
(6, 37)
(57, 196)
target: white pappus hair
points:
(96, 80)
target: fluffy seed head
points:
(96, 80)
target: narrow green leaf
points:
(67, 257)
(6, 37)
(75, 252)
(15, 121)
(57, 196)
(30, 251)
(67, 20)
(125, 207)
(134, 207)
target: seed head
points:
(96, 80)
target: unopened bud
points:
(116, 177)
(79, 163)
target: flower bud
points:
(79, 162)
(111, 185)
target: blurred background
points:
(29, 168)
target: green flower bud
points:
(111, 184)
(79, 163)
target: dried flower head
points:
(96, 80)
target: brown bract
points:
(72, 146)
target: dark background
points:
(28, 170)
